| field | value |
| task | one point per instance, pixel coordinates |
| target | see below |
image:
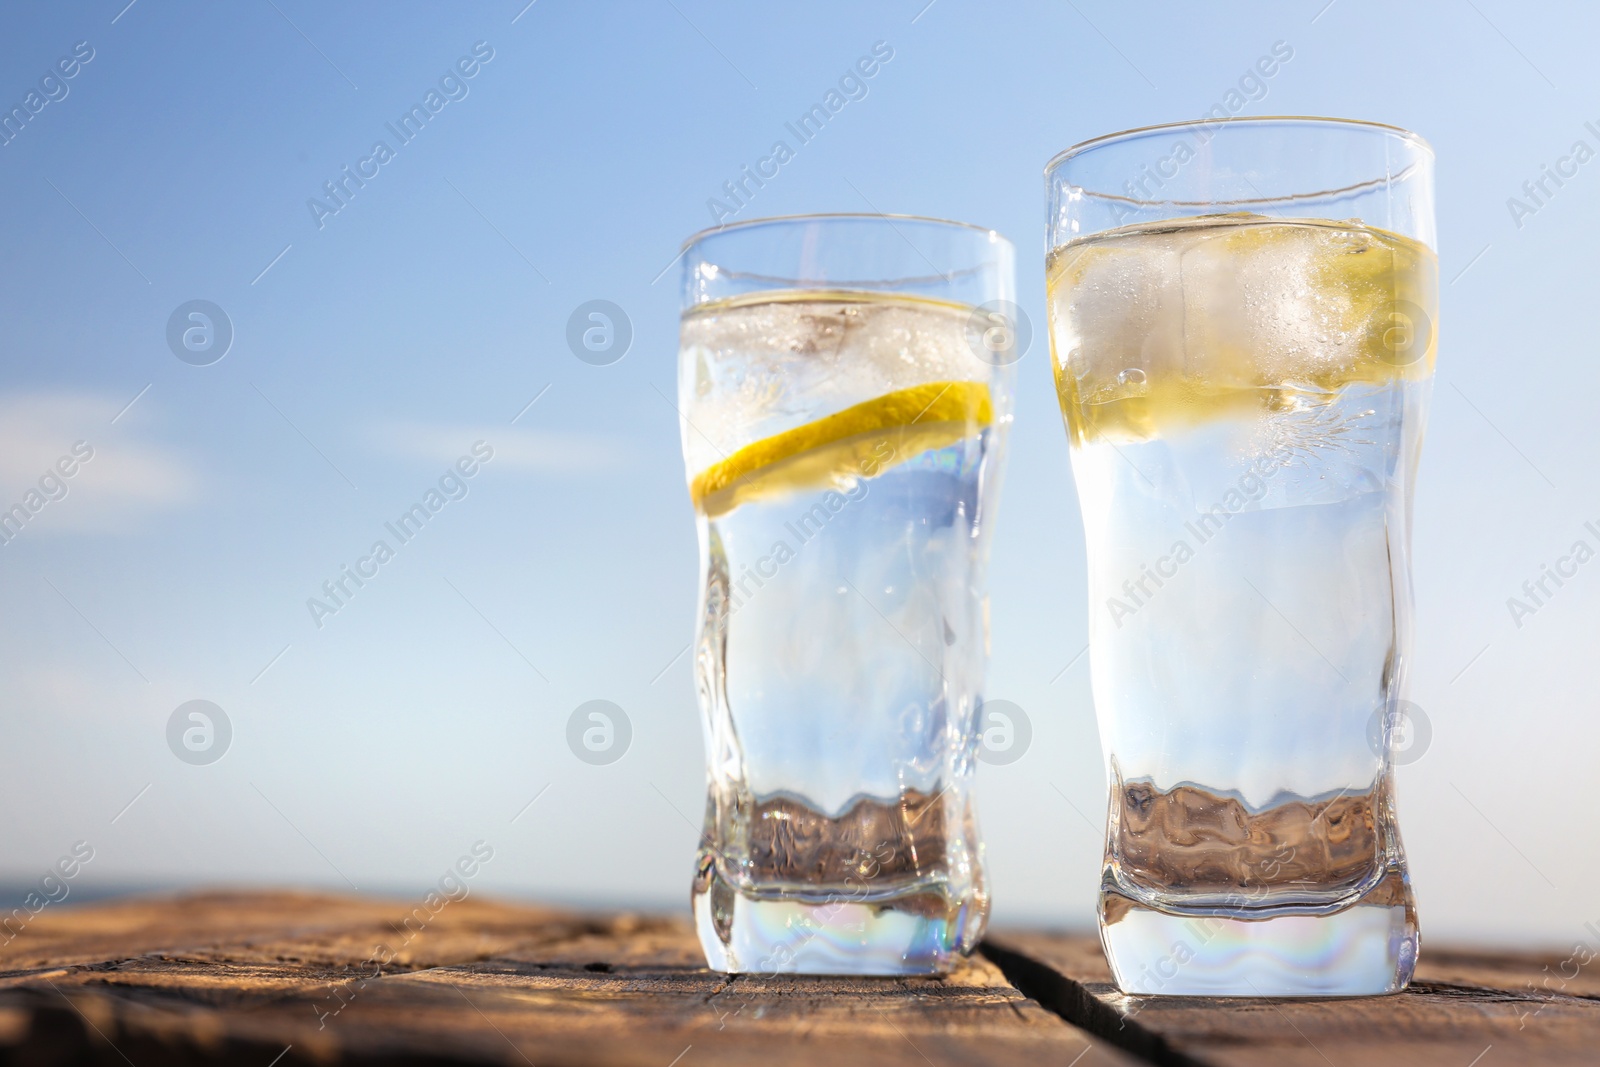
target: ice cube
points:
(757, 369)
(1118, 312)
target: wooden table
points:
(294, 978)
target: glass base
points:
(744, 935)
(1366, 948)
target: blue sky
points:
(373, 347)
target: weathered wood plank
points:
(239, 978)
(1503, 1007)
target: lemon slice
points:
(835, 450)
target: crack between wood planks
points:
(1490, 994)
(1071, 1001)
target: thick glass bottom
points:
(1366, 948)
(744, 935)
(885, 887)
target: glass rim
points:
(1307, 120)
(838, 216)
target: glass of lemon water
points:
(845, 387)
(1242, 326)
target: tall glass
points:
(845, 388)
(1241, 318)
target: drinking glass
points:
(1242, 331)
(845, 387)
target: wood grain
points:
(282, 978)
(1503, 1007)
(247, 978)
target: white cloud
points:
(125, 479)
(545, 451)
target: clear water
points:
(1244, 618)
(1244, 448)
(840, 653)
